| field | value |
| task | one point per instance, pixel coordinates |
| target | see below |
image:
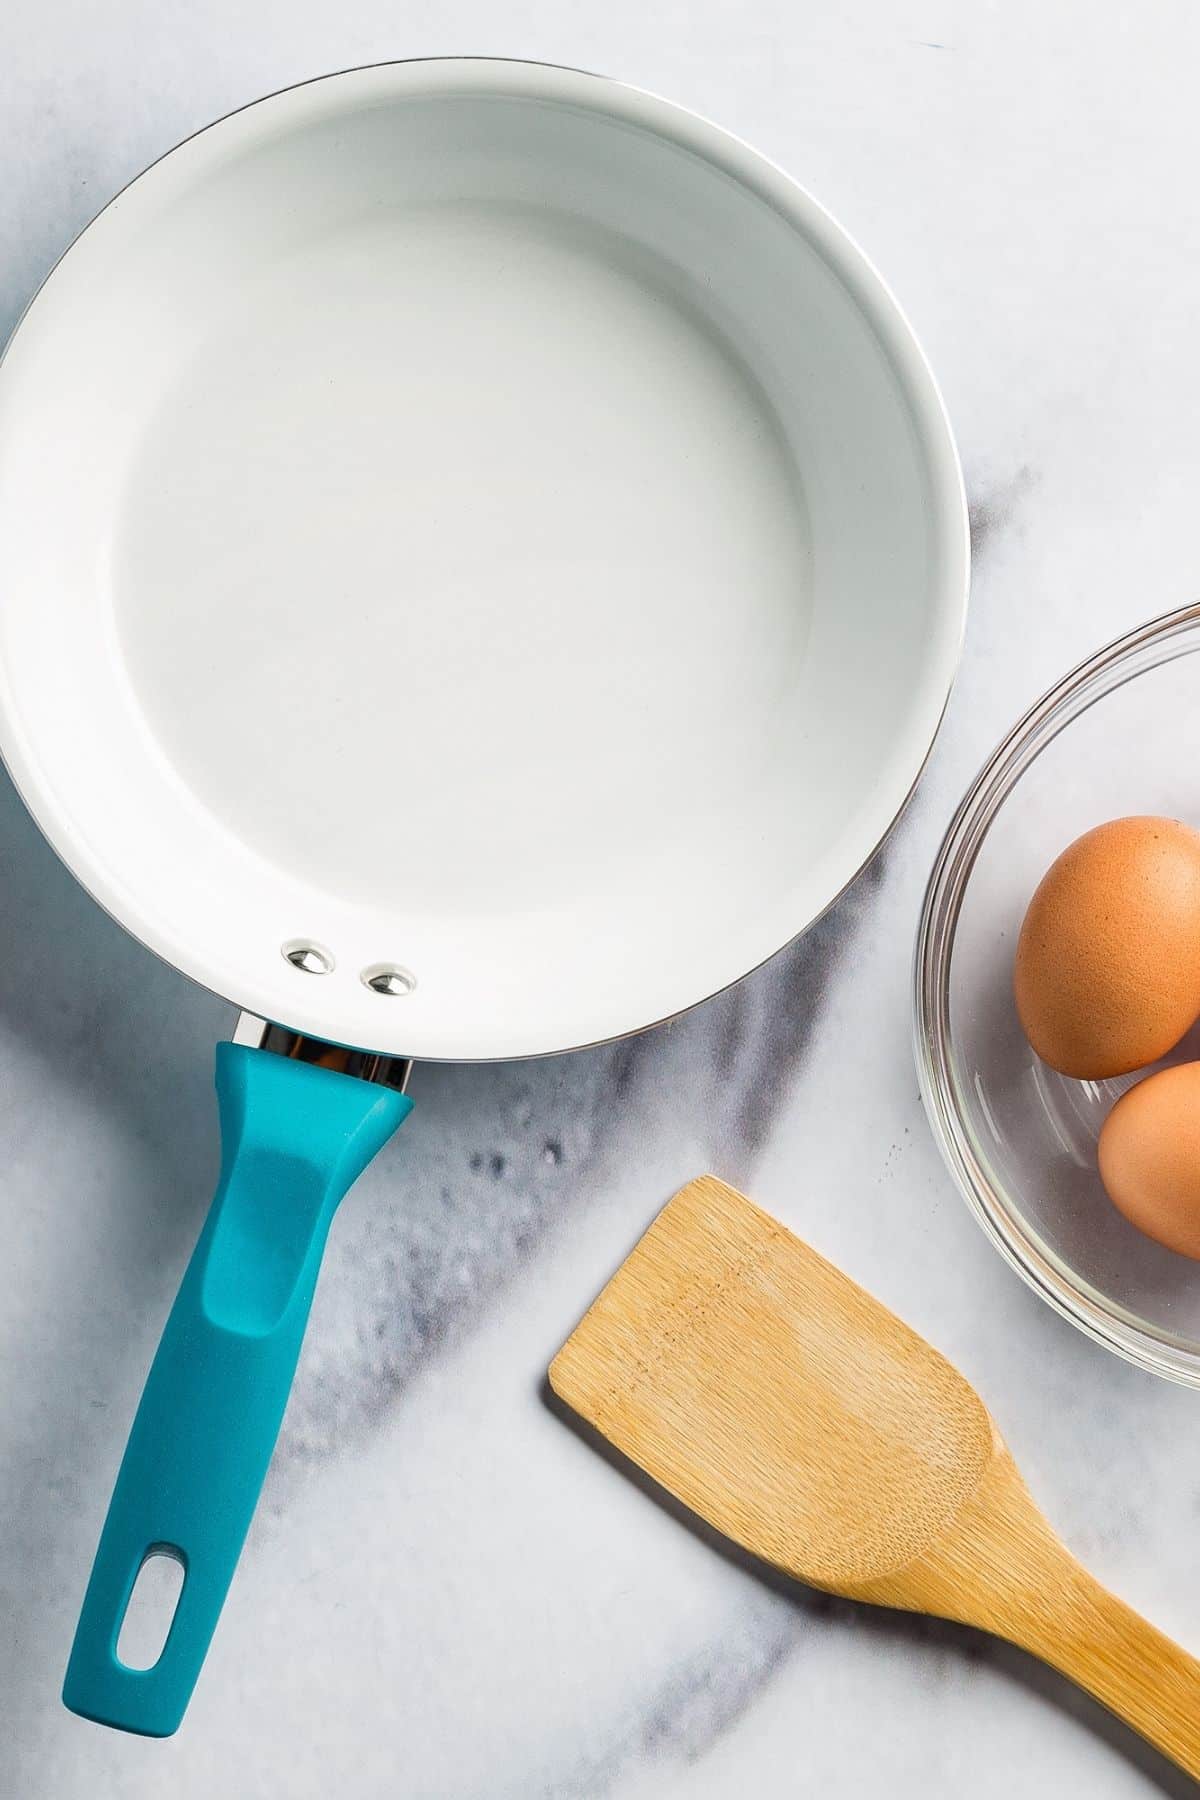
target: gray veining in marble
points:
(451, 1592)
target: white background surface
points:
(447, 1592)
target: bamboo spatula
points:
(800, 1417)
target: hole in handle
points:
(151, 1608)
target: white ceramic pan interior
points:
(476, 519)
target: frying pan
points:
(483, 564)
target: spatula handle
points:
(1111, 1651)
(999, 1566)
(294, 1137)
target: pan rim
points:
(867, 290)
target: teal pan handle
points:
(294, 1138)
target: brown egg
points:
(1107, 975)
(1150, 1157)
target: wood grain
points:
(801, 1418)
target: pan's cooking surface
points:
(509, 542)
(472, 520)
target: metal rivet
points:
(388, 978)
(309, 958)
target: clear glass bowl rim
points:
(1158, 641)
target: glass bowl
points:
(1120, 734)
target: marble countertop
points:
(447, 1592)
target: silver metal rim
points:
(913, 350)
